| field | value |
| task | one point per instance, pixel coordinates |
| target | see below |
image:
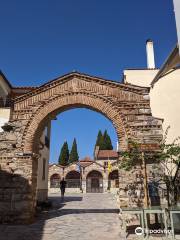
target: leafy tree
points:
(107, 144)
(134, 156)
(169, 159)
(131, 157)
(74, 157)
(64, 155)
(167, 165)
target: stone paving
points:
(79, 217)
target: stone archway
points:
(113, 179)
(94, 182)
(73, 179)
(55, 180)
(35, 125)
(126, 106)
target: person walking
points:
(63, 188)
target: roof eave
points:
(169, 65)
(5, 79)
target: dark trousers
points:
(62, 192)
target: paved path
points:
(79, 217)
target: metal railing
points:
(73, 183)
(54, 183)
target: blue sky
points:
(44, 39)
(82, 124)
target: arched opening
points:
(36, 126)
(31, 139)
(62, 129)
(113, 179)
(94, 182)
(73, 179)
(55, 181)
(79, 123)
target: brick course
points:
(127, 106)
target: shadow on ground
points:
(66, 199)
(15, 208)
(42, 228)
(58, 210)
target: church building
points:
(96, 175)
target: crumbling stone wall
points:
(17, 189)
(131, 191)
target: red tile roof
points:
(107, 154)
(86, 159)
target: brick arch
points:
(127, 106)
(72, 174)
(54, 180)
(95, 170)
(55, 174)
(48, 111)
(70, 167)
(113, 173)
(55, 169)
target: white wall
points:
(42, 183)
(4, 117)
(142, 77)
(165, 103)
(177, 16)
(164, 97)
(4, 112)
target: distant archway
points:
(113, 179)
(73, 179)
(94, 182)
(55, 181)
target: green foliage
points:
(104, 141)
(130, 158)
(168, 159)
(64, 155)
(107, 141)
(99, 140)
(74, 157)
(169, 155)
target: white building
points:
(164, 84)
(177, 17)
(7, 93)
